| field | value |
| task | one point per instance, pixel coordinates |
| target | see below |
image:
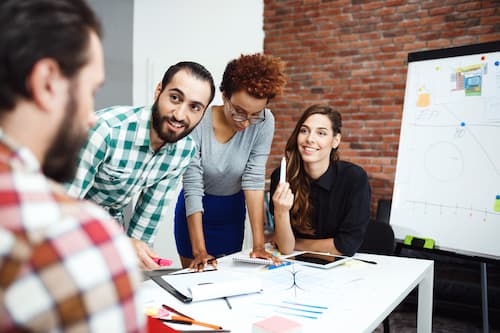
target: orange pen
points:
(195, 322)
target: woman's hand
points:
(282, 198)
(262, 253)
(283, 236)
(201, 261)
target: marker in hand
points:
(283, 170)
(162, 262)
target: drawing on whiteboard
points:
(447, 181)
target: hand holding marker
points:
(283, 170)
(162, 262)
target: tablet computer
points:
(316, 259)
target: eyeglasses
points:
(243, 116)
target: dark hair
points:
(31, 30)
(261, 76)
(196, 69)
(297, 177)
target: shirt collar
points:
(21, 157)
(326, 180)
(143, 127)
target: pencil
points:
(195, 322)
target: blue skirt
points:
(223, 224)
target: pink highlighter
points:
(162, 262)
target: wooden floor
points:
(404, 320)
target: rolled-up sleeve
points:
(253, 177)
(193, 179)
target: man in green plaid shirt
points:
(142, 152)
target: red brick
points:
(468, 6)
(353, 57)
(490, 19)
(408, 8)
(441, 10)
(489, 38)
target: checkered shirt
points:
(65, 265)
(118, 164)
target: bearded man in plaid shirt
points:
(143, 152)
(65, 264)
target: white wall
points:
(117, 20)
(209, 32)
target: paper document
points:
(214, 284)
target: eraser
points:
(419, 243)
(276, 324)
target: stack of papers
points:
(213, 284)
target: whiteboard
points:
(447, 184)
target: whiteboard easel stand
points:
(484, 277)
(484, 297)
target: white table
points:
(357, 296)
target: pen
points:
(228, 304)
(284, 263)
(191, 272)
(204, 331)
(175, 311)
(367, 261)
(195, 322)
(176, 321)
(211, 260)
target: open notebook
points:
(208, 285)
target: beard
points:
(61, 160)
(167, 135)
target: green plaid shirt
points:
(118, 164)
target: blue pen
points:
(284, 263)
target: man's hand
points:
(262, 253)
(144, 254)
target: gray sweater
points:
(225, 169)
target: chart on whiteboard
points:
(447, 184)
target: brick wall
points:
(352, 54)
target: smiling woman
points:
(325, 204)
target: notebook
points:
(247, 259)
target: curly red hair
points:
(260, 75)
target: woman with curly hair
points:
(325, 204)
(228, 172)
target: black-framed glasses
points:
(243, 116)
